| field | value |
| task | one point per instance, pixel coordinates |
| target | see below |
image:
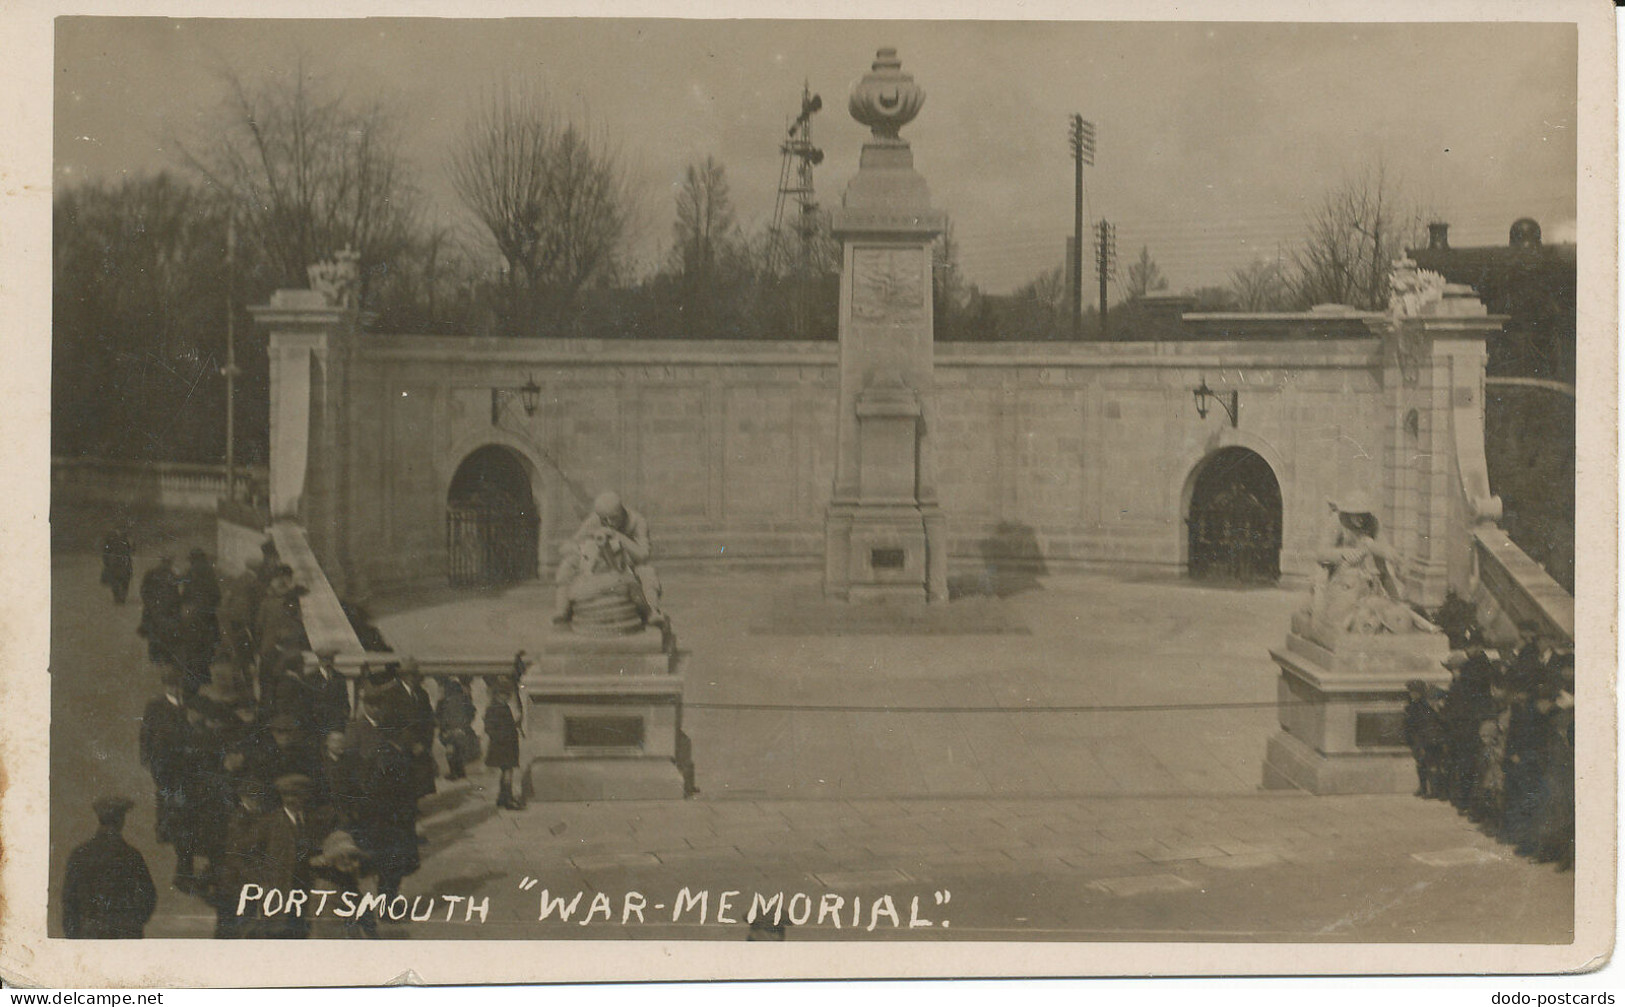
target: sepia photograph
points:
(911, 488)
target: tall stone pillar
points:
(1433, 400)
(309, 342)
(885, 534)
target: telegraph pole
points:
(1105, 264)
(1083, 152)
(230, 370)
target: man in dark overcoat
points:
(162, 750)
(118, 563)
(417, 728)
(211, 789)
(1466, 706)
(238, 860)
(288, 694)
(237, 611)
(285, 840)
(199, 619)
(278, 617)
(107, 891)
(386, 825)
(161, 612)
(338, 780)
(330, 695)
(291, 751)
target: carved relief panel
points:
(889, 285)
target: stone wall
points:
(1077, 455)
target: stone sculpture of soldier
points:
(605, 582)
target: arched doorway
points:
(1234, 521)
(491, 521)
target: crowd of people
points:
(1498, 743)
(265, 770)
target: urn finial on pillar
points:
(886, 99)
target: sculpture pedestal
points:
(604, 719)
(1342, 710)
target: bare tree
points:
(1144, 276)
(1048, 290)
(308, 173)
(1355, 233)
(138, 321)
(706, 241)
(554, 198)
(1261, 285)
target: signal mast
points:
(796, 186)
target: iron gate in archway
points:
(1235, 520)
(490, 546)
(492, 529)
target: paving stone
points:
(1143, 884)
(1183, 853)
(975, 861)
(1242, 861)
(860, 879)
(890, 848)
(596, 862)
(1112, 864)
(1458, 857)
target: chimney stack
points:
(1438, 235)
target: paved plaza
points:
(1098, 686)
(1090, 772)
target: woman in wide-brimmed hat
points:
(341, 868)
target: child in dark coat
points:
(502, 740)
(1424, 733)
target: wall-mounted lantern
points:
(530, 396)
(1231, 404)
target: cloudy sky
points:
(1214, 139)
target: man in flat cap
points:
(107, 891)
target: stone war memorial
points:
(889, 459)
(865, 594)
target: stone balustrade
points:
(175, 486)
(1513, 590)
